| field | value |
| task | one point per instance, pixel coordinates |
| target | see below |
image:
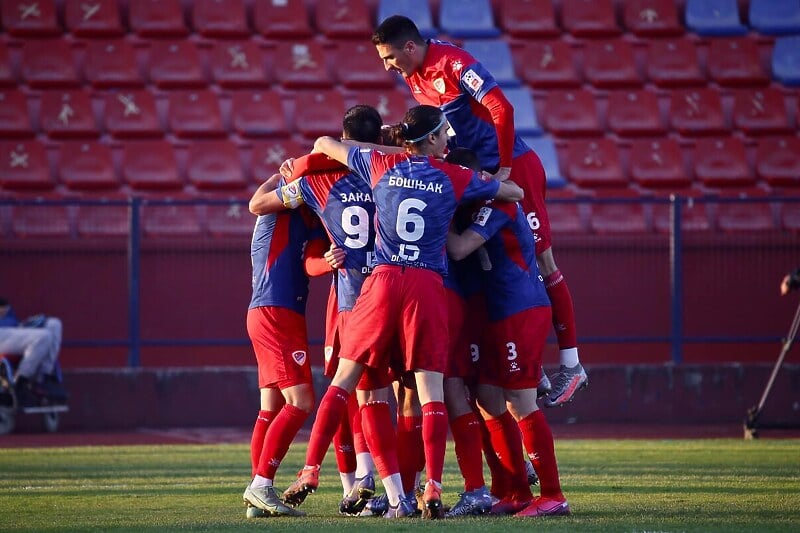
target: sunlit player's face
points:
(397, 59)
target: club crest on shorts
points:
(299, 357)
(328, 353)
(438, 84)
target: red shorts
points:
(332, 340)
(280, 341)
(514, 346)
(459, 360)
(527, 172)
(399, 304)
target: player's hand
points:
(272, 182)
(502, 174)
(287, 167)
(785, 285)
(335, 256)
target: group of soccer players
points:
(401, 312)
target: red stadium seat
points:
(358, 67)
(266, 157)
(24, 166)
(572, 113)
(282, 20)
(301, 65)
(109, 217)
(761, 111)
(220, 18)
(258, 114)
(658, 164)
(319, 113)
(67, 114)
(697, 112)
(175, 64)
(610, 64)
(99, 18)
(157, 18)
(48, 63)
(150, 165)
(634, 113)
(41, 221)
(528, 18)
(392, 105)
(195, 114)
(87, 165)
(546, 64)
(344, 19)
(694, 215)
(7, 76)
(722, 163)
(160, 219)
(595, 163)
(239, 64)
(607, 216)
(589, 18)
(228, 216)
(565, 217)
(26, 18)
(746, 216)
(652, 18)
(736, 62)
(132, 114)
(215, 165)
(778, 161)
(14, 119)
(790, 216)
(673, 63)
(112, 64)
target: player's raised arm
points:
(509, 192)
(461, 245)
(333, 148)
(264, 200)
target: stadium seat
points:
(112, 64)
(319, 113)
(106, 216)
(495, 55)
(266, 157)
(157, 18)
(697, 112)
(220, 18)
(778, 161)
(758, 112)
(26, 18)
(357, 66)
(168, 216)
(132, 114)
(48, 63)
(545, 148)
(610, 64)
(286, 19)
(67, 114)
(86, 165)
(714, 17)
(525, 121)
(419, 12)
(673, 63)
(230, 218)
(572, 113)
(98, 18)
(344, 19)
(47, 217)
(302, 65)
(658, 164)
(175, 64)
(14, 119)
(595, 163)
(150, 165)
(565, 213)
(617, 211)
(238, 64)
(652, 18)
(478, 22)
(734, 62)
(546, 64)
(722, 163)
(786, 60)
(24, 166)
(589, 18)
(392, 105)
(7, 75)
(790, 216)
(258, 114)
(215, 165)
(528, 18)
(195, 114)
(694, 214)
(632, 113)
(775, 17)
(748, 215)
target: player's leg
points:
(430, 388)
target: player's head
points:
(399, 44)
(423, 130)
(362, 123)
(464, 157)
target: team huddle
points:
(444, 290)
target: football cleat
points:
(472, 503)
(432, 501)
(376, 506)
(542, 506)
(544, 387)
(359, 495)
(404, 508)
(267, 500)
(255, 512)
(306, 483)
(506, 506)
(568, 381)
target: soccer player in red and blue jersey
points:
(444, 75)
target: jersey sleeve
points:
(360, 162)
(502, 113)
(476, 81)
(488, 221)
(315, 162)
(480, 188)
(290, 194)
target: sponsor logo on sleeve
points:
(483, 216)
(472, 80)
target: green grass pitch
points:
(625, 486)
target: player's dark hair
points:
(419, 122)
(464, 157)
(362, 123)
(396, 31)
(390, 135)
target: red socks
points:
(434, 436)
(263, 421)
(376, 418)
(467, 436)
(331, 410)
(506, 442)
(563, 311)
(278, 438)
(538, 441)
(410, 449)
(343, 446)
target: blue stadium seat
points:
(478, 23)
(525, 121)
(545, 148)
(419, 12)
(775, 17)
(714, 17)
(786, 60)
(495, 55)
